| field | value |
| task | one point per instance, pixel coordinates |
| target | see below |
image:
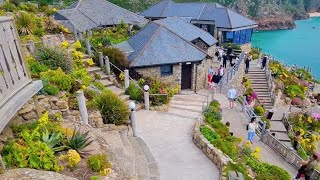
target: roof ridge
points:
(87, 16)
(204, 5)
(182, 38)
(147, 45)
(228, 16)
(168, 1)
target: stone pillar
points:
(37, 106)
(126, 79)
(31, 46)
(88, 47)
(146, 100)
(50, 42)
(263, 131)
(107, 63)
(62, 38)
(82, 106)
(80, 36)
(101, 59)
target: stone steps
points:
(277, 126)
(93, 69)
(282, 136)
(106, 82)
(197, 109)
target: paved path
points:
(168, 135)
(238, 122)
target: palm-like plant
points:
(79, 140)
(25, 23)
(52, 140)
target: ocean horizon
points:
(300, 45)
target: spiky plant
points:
(78, 140)
(25, 23)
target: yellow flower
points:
(105, 172)
(308, 140)
(83, 87)
(256, 155)
(65, 44)
(44, 119)
(66, 30)
(72, 157)
(67, 132)
(90, 62)
(247, 144)
(257, 149)
(54, 10)
(121, 76)
(77, 45)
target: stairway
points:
(277, 127)
(259, 83)
(187, 104)
(129, 154)
(108, 82)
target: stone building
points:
(172, 50)
(221, 22)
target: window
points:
(166, 70)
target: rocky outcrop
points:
(25, 173)
(313, 6)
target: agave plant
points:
(25, 23)
(78, 140)
(52, 140)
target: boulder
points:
(74, 112)
(62, 105)
(26, 108)
(30, 116)
(25, 173)
(99, 122)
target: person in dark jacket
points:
(307, 168)
(229, 51)
(264, 62)
(247, 62)
(215, 78)
(224, 61)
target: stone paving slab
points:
(169, 139)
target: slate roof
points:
(187, 30)
(157, 45)
(88, 14)
(222, 16)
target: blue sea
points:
(299, 46)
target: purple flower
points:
(316, 116)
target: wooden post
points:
(126, 79)
(37, 106)
(82, 107)
(101, 59)
(62, 38)
(146, 100)
(31, 46)
(107, 65)
(88, 47)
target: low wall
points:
(214, 154)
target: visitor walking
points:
(264, 62)
(220, 55)
(215, 78)
(229, 51)
(252, 126)
(210, 70)
(232, 93)
(224, 63)
(307, 167)
(221, 72)
(296, 140)
(247, 62)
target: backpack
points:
(217, 53)
(247, 127)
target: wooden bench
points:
(16, 85)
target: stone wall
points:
(237, 79)
(214, 154)
(155, 72)
(246, 47)
(199, 74)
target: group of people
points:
(215, 76)
(228, 56)
(249, 58)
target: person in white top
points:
(220, 54)
(232, 94)
(252, 126)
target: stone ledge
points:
(215, 155)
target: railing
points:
(31, 45)
(13, 71)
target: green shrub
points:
(134, 92)
(50, 89)
(57, 78)
(239, 167)
(265, 171)
(210, 135)
(9, 7)
(25, 23)
(259, 110)
(82, 75)
(295, 91)
(36, 68)
(98, 162)
(54, 58)
(234, 46)
(99, 85)
(113, 109)
(116, 56)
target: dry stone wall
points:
(214, 154)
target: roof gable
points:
(89, 14)
(157, 45)
(187, 30)
(222, 16)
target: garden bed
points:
(225, 150)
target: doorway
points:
(186, 76)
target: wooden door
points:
(186, 76)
